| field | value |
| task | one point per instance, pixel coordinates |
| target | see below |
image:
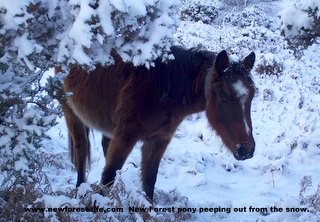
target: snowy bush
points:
(269, 64)
(196, 11)
(236, 2)
(249, 16)
(301, 20)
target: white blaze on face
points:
(242, 93)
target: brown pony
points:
(128, 104)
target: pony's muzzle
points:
(244, 151)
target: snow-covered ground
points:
(197, 171)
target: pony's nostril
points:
(242, 152)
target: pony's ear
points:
(248, 62)
(221, 63)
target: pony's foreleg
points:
(119, 148)
(152, 151)
(79, 144)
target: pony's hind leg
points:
(79, 144)
(152, 151)
(105, 144)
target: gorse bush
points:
(269, 64)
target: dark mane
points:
(174, 78)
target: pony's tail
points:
(88, 149)
(72, 151)
(76, 126)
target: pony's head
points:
(230, 91)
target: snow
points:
(307, 4)
(197, 171)
(13, 8)
(297, 15)
(21, 164)
(135, 8)
(54, 201)
(106, 23)
(300, 19)
(25, 48)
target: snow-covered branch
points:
(40, 33)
